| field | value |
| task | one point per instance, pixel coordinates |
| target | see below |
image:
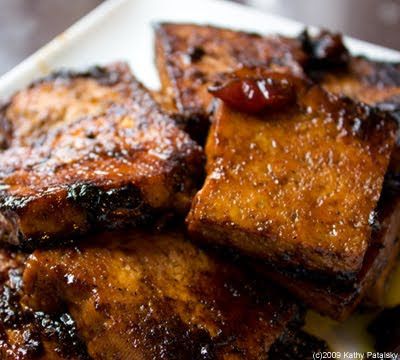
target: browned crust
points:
(162, 294)
(61, 97)
(29, 335)
(217, 216)
(108, 75)
(376, 83)
(378, 262)
(125, 167)
(195, 123)
(329, 63)
(185, 82)
(168, 86)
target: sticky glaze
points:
(125, 166)
(157, 296)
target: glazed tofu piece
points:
(192, 57)
(60, 98)
(138, 295)
(296, 184)
(114, 165)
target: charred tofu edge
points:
(339, 302)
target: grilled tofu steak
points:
(191, 57)
(126, 166)
(62, 98)
(26, 334)
(139, 295)
(297, 183)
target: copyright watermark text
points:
(356, 355)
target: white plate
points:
(122, 30)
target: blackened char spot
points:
(196, 124)
(104, 75)
(325, 50)
(35, 328)
(392, 106)
(174, 340)
(365, 121)
(391, 184)
(195, 53)
(112, 208)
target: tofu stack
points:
(301, 158)
(95, 263)
(203, 220)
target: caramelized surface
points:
(296, 186)
(62, 98)
(330, 64)
(151, 296)
(372, 82)
(380, 258)
(123, 167)
(28, 335)
(191, 57)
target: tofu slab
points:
(297, 186)
(140, 295)
(192, 57)
(60, 98)
(85, 162)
